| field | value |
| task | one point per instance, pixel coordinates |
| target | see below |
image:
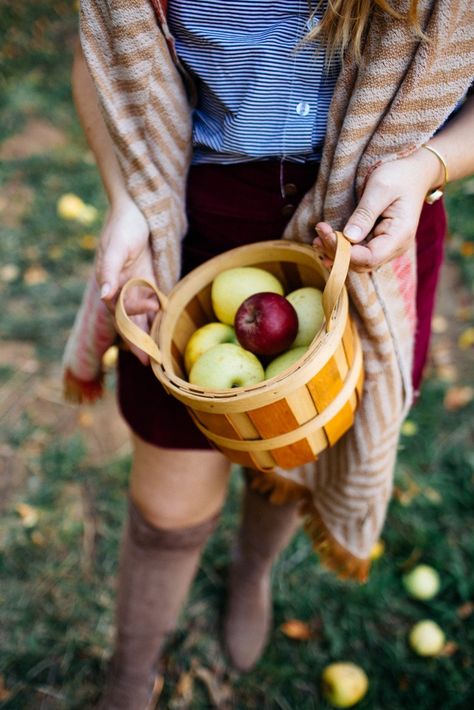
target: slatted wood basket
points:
(289, 419)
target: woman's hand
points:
(390, 208)
(124, 252)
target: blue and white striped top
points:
(260, 94)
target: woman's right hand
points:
(124, 252)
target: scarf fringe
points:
(79, 391)
(333, 556)
(279, 490)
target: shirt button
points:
(303, 108)
(288, 210)
(289, 189)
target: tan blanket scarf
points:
(383, 109)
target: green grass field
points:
(58, 556)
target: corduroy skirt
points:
(233, 205)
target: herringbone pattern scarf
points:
(383, 109)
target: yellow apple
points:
(110, 357)
(426, 638)
(344, 684)
(422, 582)
(308, 304)
(284, 361)
(70, 206)
(377, 550)
(226, 365)
(232, 286)
(204, 338)
(87, 215)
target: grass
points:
(58, 558)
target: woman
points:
(305, 116)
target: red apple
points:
(266, 323)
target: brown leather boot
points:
(156, 569)
(266, 529)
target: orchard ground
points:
(64, 470)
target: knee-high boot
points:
(265, 530)
(156, 569)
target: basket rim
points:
(273, 388)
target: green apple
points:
(284, 361)
(308, 304)
(426, 638)
(226, 365)
(422, 582)
(344, 684)
(232, 286)
(204, 338)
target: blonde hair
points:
(344, 22)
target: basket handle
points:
(337, 278)
(129, 330)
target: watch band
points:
(438, 192)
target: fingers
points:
(110, 265)
(138, 306)
(391, 237)
(374, 201)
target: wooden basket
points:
(289, 419)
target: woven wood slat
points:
(288, 420)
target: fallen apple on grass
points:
(308, 304)
(284, 361)
(426, 638)
(344, 684)
(225, 366)
(232, 286)
(266, 323)
(422, 582)
(205, 338)
(69, 206)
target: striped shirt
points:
(261, 92)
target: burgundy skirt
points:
(234, 205)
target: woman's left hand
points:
(389, 210)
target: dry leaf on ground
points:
(406, 495)
(55, 252)
(466, 339)
(34, 275)
(439, 324)
(467, 249)
(447, 373)
(184, 686)
(4, 692)
(38, 538)
(432, 495)
(157, 690)
(28, 514)
(449, 649)
(88, 242)
(464, 313)
(465, 610)
(296, 629)
(220, 693)
(458, 397)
